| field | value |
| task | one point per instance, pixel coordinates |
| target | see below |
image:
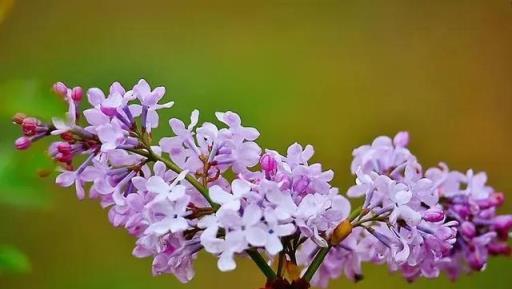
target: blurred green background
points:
(329, 73)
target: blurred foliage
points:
(12, 260)
(19, 176)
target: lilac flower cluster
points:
(468, 200)
(212, 187)
(417, 223)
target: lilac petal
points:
(403, 197)
(156, 184)
(194, 117)
(401, 139)
(240, 187)
(95, 96)
(139, 183)
(177, 126)
(135, 109)
(95, 117)
(142, 88)
(116, 87)
(226, 261)
(159, 169)
(177, 193)
(152, 119)
(256, 236)
(285, 230)
(219, 196)
(273, 245)
(178, 225)
(66, 179)
(252, 215)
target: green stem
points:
(320, 256)
(375, 218)
(315, 264)
(355, 213)
(262, 264)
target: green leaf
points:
(12, 260)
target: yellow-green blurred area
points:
(333, 74)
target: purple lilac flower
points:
(467, 199)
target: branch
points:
(262, 264)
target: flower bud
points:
(60, 89)
(29, 126)
(462, 210)
(67, 136)
(502, 225)
(341, 232)
(499, 248)
(468, 229)
(476, 262)
(485, 203)
(77, 93)
(498, 198)
(23, 143)
(401, 139)
(18, 118)
(268, 163)
(433, 215)
(64, 148)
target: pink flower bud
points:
(498, 199)
(401, 139)
(29, 126)
(64, 148)
(499, 248)
(468, 229)
(65, 158)
(23, 143)
(60, 89)
(433, 215)
(502, 225)
(268, 163)
(476, 262)
(77, 93)
(462, 210)
(485, 203)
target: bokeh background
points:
(328, 73)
